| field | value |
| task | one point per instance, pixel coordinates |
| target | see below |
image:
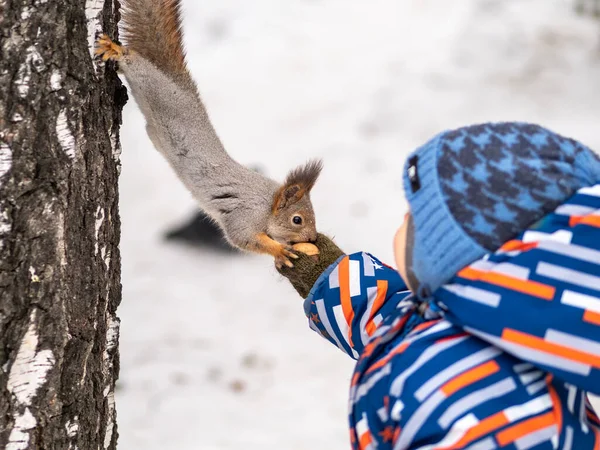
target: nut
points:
(305, 247)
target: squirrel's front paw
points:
(107, 49)
(282, 258)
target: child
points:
(499, 340)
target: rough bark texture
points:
(60, 113)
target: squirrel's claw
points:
(283, 258)
(281, 252)
(107, 49)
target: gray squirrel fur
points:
(255, 212)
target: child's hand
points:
(311, 263)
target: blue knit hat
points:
(474, 188)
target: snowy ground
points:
(215, 350)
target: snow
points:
(215, 350)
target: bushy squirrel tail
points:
(152, 28)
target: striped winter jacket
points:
(502, 356)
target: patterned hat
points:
(474, 188)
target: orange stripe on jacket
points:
(352, 436)
(365, 440)
(382, 287)
(591, 317)
(529, 287)
(484, 427)
(424, 326)
(591, 220)
(450, 338)
(516, 245)
(534, 342)
(400, 349)
(593, 418)
(346, 300)
(469, 377)
(511, 434)
(383, 361)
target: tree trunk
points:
(60, 113)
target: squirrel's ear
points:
(305, 176)
(285, 196)
(297, 184)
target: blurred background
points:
(215, 349)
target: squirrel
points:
(256, 213)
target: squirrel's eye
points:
(297, 220)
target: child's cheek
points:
(399, 249)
